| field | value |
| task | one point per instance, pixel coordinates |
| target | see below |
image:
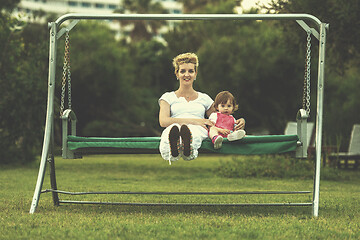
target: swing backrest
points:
(354, 145)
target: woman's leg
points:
(164, 148)
(198, 135)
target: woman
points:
(182, 113)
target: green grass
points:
(339, 213)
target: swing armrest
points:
(68, 116)
(302, 116)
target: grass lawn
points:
(339, 213)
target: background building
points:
(36, 10)
(61, 7)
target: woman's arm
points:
(210, 110)
(240, 124)
(165, 120)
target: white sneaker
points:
(237, 135)
(218, 142)
(173, 159)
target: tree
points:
(342, 60)
(112, 90)
(205, 6)
(23, 81)
(142, 30)
(194, 33)
(8, 4)
(343, 37)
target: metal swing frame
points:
(48, 143)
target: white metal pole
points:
(49, 117)
(319, 119)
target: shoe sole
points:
(237, 135)
(218, 142)
(186, 138)
(173, 140)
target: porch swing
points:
(74, 146)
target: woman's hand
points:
(205, 123)
(240, 124)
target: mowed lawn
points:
(339, 213)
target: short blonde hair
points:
(185, 58)
(223, 97)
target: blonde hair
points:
(223, 97)
(185, 58)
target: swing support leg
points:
(53, 180)
(319, 120)
(49, 119)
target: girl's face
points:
(186, 73)
(226, 108)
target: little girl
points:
(225, 105)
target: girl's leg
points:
(237, 135)
(213, 132)
(215, 137)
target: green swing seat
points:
(268, 144)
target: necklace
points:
(187, 96)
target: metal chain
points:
(66, 74)
(69, 76)
(306, 93)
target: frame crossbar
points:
(179, 193)
(188, 204)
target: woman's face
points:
(186, 73)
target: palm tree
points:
(142, 29)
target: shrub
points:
(276, 166)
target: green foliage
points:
(8, 4)
(343, 38)
(23, 82)
(115, 84)
(276, 167)
(266, 166)
(208, 6)
(342, 105)
(342, 60)
(142, 30)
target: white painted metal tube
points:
(49, 117)
(319, 118)
(308, 17)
